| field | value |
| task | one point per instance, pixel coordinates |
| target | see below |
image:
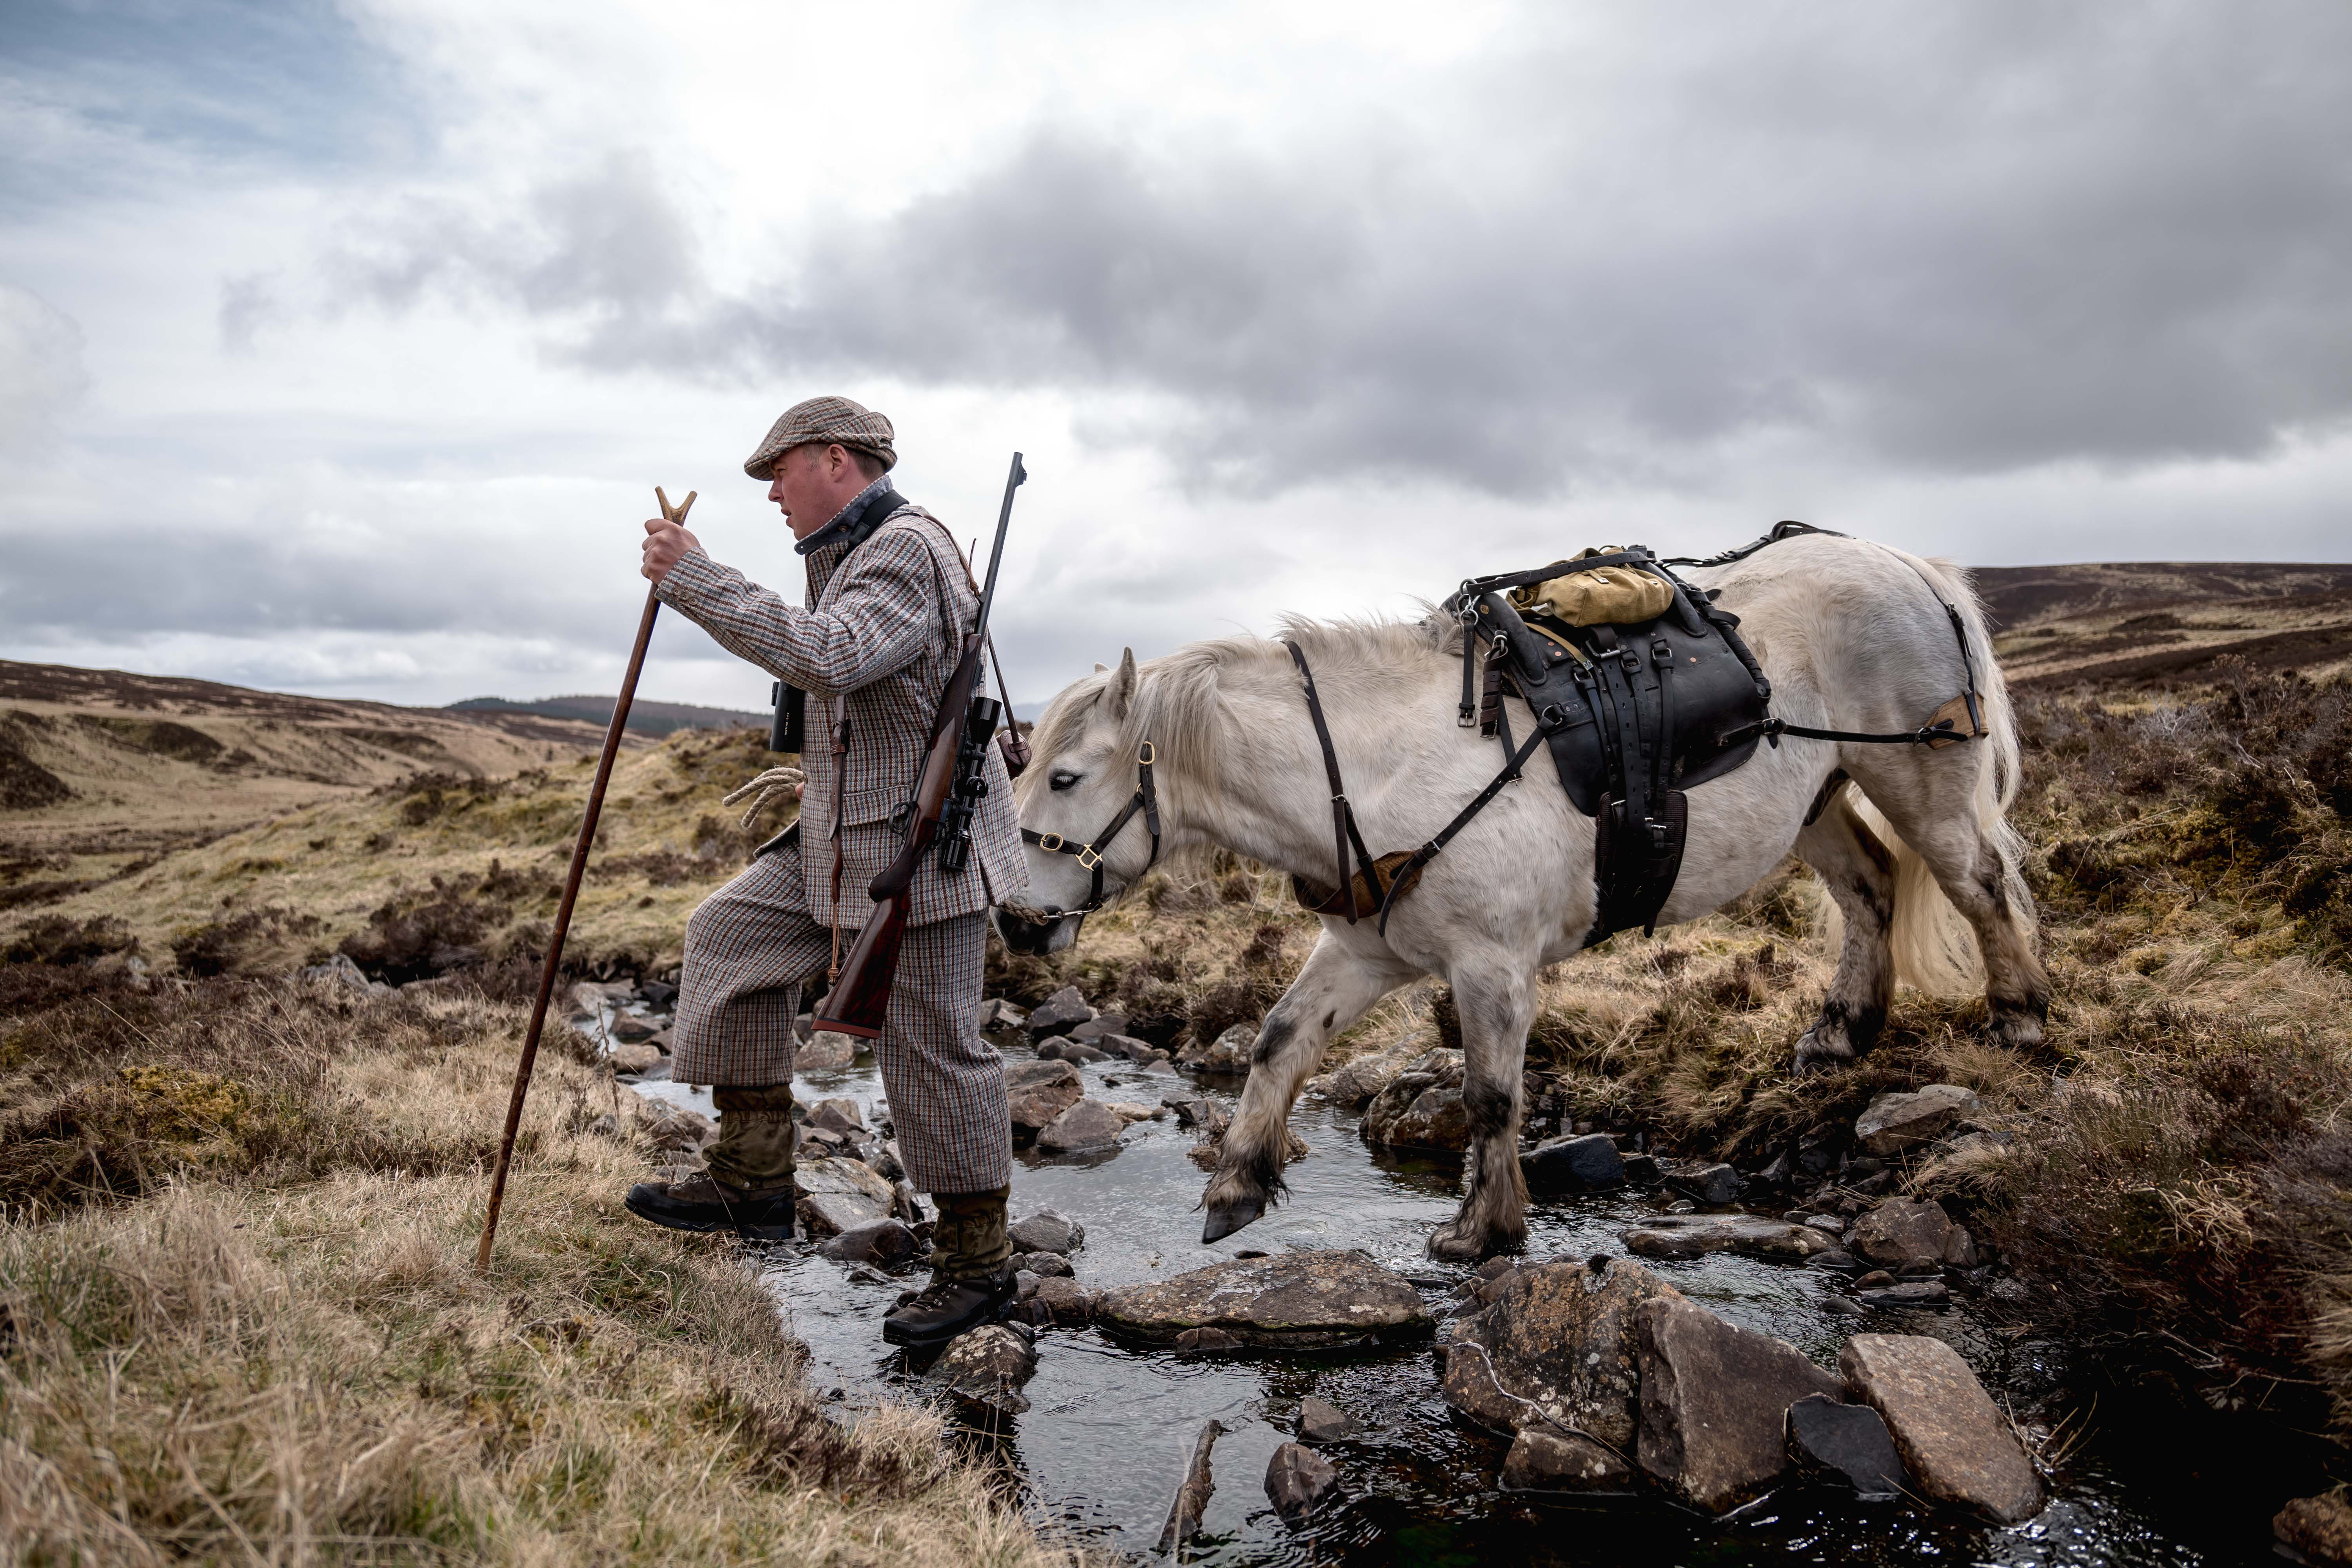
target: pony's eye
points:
(1062, 779)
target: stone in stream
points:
(882, 1242)
(996, 1013)
(828, 1050)
(1902, 1232)
(628, 1029)
(1085, 1128)
(1130, 1112)
(2320, 1528)
(1046, 1231)
(1142, 1053)
(639, 1057)
(1850, 1442)
(1894, 1122)
(668, 1126)
(839, 1194)
(1297, 1478)
(988, 1366)
(1193, 1492)
(1558, 1342)
(1950, 1434)
(1063, 1301)
(1715, 1399)
(1587, 1163)
(836, 1115)
(1093, 1030)
(1194, 1111)
(1710, 1186)
(1299, 1299)
(1352, 1086)
(1909, 1293)
(1422, 1106)
(1044, 1265)
(1228, 1054)
(1750, 1236)
(1059, 1013)
(1543, 1460)
(1320, 1421)
(1038, 1092)
(1642, 1171)
(1068, 1051)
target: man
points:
(889, 600)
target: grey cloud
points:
(41, 370)
(1959, 240)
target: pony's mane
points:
(1176, 702)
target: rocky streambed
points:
(1682, 1366)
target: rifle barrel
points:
(1013, 482)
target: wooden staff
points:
(570, 894)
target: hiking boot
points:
(701, 1203)
(941, 1310)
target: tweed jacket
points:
(881, 634)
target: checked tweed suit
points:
(881, 634)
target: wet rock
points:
(1130, 1112)
(1839, 1262)
(1025, 1286)
(1297, 1299)
(1899, 1122)
(1906, 1231)
(1059, 1013)
(1297, 1478)
(1543, 1460)
(1876, 1279)
(1750, 1236)
(1950, 1436)
(1069, 1051)
(838, 1115)
(1192, 1493)
(640, 1058)
(668, 1126)
(1046, 1231)
(1557, 1341)
(828, 1050)
(1084, 1127)
(1910, 1293)
(1351, 1087)
(1422, 1106)
(628, 1029)
(1194, 1111)
(1642, 1171)
(881, 1242)
(1063, 1301)
(1038, 1092)
(1710, 1186)
(838, 1194)
(1847, 1442)
(988, 1366)
(1715, 1397)
(1142, 1053)
(1044, 1265)
(1589, 1163)
(2320, 1528)
(1227, 1055)
(1320, 1421)
(1203, 1341)
(1100, 1027)
(887, 1161)
(996, 1013)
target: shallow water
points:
(1099, 1453)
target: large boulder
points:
(1750, 1236)
(1907, 1232)
(1299, 1299)
(1038, 1092)
(1297, 1478)
(1046, 1231)
(1894, 1122)
(988, 1366)
(1085, 1128)
(1059, 1013)
(1543, 1460)
(1828, 1438)
(1557, 1341)
(1714, 1402)
(1587, 1163)
(839, 1194)
(1945, 1425)
(1422, 1106)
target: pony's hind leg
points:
(1965, 859)
(1334, 988)
(1496, 1007)
(1859, 871)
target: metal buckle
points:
(1149, 755)
(1051, 843)
(1088, 858)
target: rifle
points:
(948, 790)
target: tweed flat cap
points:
(832, 420)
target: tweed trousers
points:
(752, 946)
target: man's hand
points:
(665, 545)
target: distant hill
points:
(645, 718)
(2162, 623)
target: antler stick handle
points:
(547, 973)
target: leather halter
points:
(1146, 799)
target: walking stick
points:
(571, 893)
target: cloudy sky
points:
(341, 344)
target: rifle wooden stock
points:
(859, 999)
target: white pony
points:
(1923, 867)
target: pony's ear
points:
(1122, 686)
(1100, 667)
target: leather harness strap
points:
(1146, 799)
(1344, 833)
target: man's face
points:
(812, 483)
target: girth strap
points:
(1344, 833)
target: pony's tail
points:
(1935, 947)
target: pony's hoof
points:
(1227, 1218)
(2018, 1030)
(1812, 1055)
(1448, 1244)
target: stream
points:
(1098, 1455)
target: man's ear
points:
(1121, 695)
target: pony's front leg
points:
(1334, 988)
(1496, 1005)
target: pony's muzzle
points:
(1036, 933)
